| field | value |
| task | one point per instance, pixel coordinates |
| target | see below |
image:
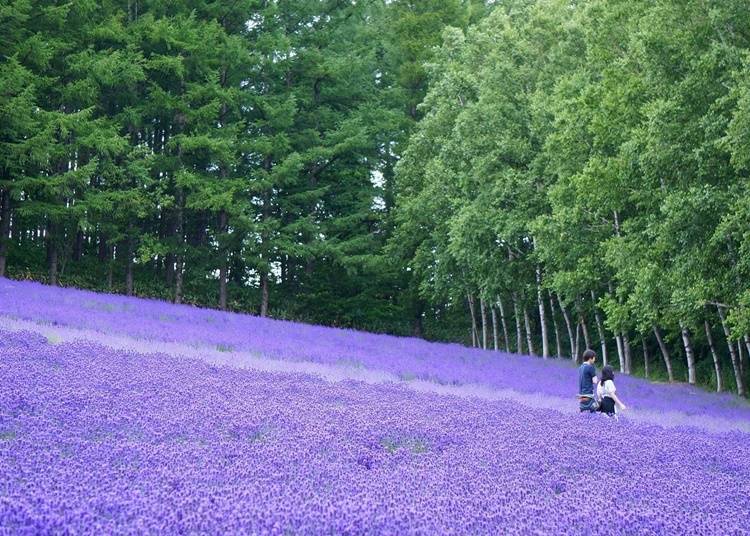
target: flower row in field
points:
(406, 358)
(94, 440)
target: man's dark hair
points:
(588, 355)
(608, 373)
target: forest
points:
(532, 176)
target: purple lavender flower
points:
(101, 440)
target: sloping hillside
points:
(121, 415)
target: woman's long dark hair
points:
(608, 373)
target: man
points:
(586, 381)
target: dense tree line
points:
(234, 154)
(588, 166)
(538, 176)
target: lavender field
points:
(123, 415)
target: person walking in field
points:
(586, 381)
(606, 392)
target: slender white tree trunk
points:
(620, 351)
(732, 354)
(569, 327)
(689, 354)
(664, 353)
(740, 358)
(746, 340)
(645, 354)
(577, 345)
(627, 352)
(517, 314)
(542, 315)
(506, 339)
(585, 331)
(494, 326)
(599, 328)
(736, 358)
(582, 322)
(474, 330)
(527, 323)
(483, 311)
(558, 345)
(715, 355)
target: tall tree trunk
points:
(223, 216)
(78, 246)
(129, 265)
(110, 275)
(266, 256)
(527, 324)
(582, 322)
(52, 263)
(664, 353)
(620, 351)
(558, 346)
(483, 311)
(474, 328)
(517, 315)
(103, 253)
(577, 344)
(626, 352)
(52, 253)
(585, 331)
(689, 354)
(599, 328)
(569, 327)
(732, 354)
(737, 360)
(4, 229)
(167, 219)
(179, 231)
(417, 327)
(264, 294)
(645, 354)
(169, 268)
(171, 234)
(714, 355)
(195, 228)
(494, 327)
(542, 315)
(178, 279)
(506, 339)
(223, 260)
(740, 353)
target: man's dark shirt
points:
(586, 374)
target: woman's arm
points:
(617, 401)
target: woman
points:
(606, 392)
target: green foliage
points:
(384, 165)
(595, 149)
